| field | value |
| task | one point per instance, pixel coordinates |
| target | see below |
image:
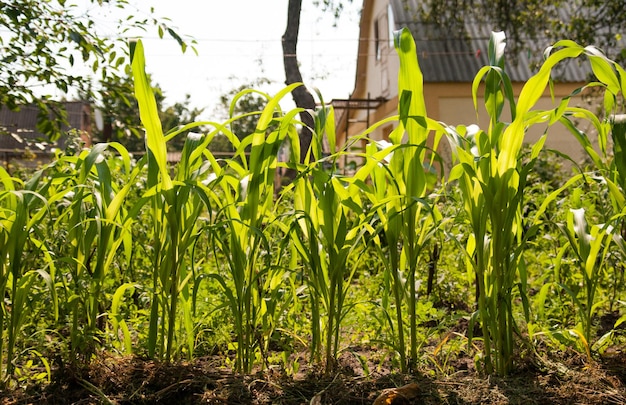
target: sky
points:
(239, 41)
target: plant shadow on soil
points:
(133, 380)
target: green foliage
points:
(245, 104)
(41, 40)
(244, 227)
(493, 177)
(22, 211)
(176, 205)
(400, 196)
(205, 256)
(492, 184)
(327, 233)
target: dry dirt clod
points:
(398, 396)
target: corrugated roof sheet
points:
(452, 58)
(22, 125)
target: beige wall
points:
(451, 103)
(455, 110)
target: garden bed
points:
(133, 380)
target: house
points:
(20, 139)
(449, 64)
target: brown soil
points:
(132, 380)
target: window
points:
(379, 51)
(391, 23)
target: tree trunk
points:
(301, 96)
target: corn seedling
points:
(589, 244)
(617, 180)
(325, 239)
(327, 231)
(492, 178)
(401, 181)
(21, 213)
(242, 231)
(176, 205)
(98, 228)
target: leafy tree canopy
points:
(50, 46)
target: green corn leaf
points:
(540, 300)
(189, 157)
(596, 239)
(6, 179)
(513, 136)
(116, 319)
(48, 276)
(410, 89)
(604, 71)
(329, 129)
(148, 112)
(582, 137)
(553, 196)
(618, 135)
(410, 77)
(620, 321)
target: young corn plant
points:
(176, 205)
(243, 234)
(618, 172)
(590, 244)
(399, 188)
(401, 255)
(327, 230)
(618, 192)
(492, 177)
(98, 228)
(22, 210)
(176, 213)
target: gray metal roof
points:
(18, 129)
(451, 57)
